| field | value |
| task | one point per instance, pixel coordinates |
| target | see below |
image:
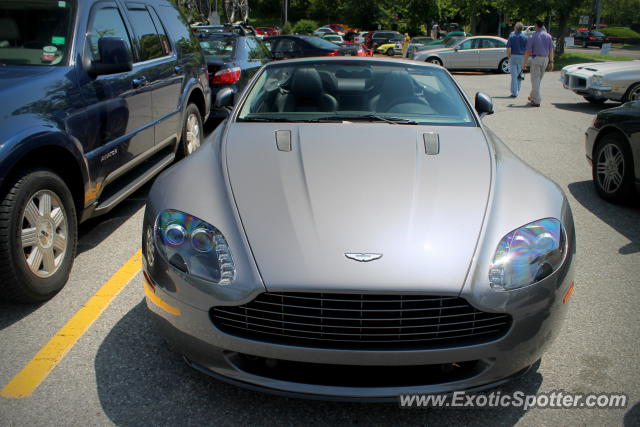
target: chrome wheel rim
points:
(193, 133)
(434, 61)
(44, 233)
(610, 168)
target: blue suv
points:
(97, 98)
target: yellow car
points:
(389, 49)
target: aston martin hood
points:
(360, 189)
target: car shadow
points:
(11, 312)
(632, 416)
(95, 230)
(140, 381)
(584, 107)
(623, 219)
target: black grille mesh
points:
(364, 322)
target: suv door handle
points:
(178, 69)
(136, 83)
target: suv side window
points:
(106, 22)
(183, 38)
(151, 43)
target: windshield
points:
(597, 34)
(35, 32)
(356, 91)
(217, 46)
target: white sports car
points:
(599, 81)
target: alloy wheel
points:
(610, 168)
(44, 233)
(193, 133)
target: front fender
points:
(520, 195)
(41, 135)
(197, 185)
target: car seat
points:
(306, 94)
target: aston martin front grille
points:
(361, 321)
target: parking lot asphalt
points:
(119, 372)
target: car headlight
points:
(528, 255)
(597, 81)
(194, 247)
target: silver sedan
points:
(354, 231)
(473, 53)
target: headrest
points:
(306, 84)
(397, 84)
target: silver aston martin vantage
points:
(354, 231)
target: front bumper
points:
(537, 313)
(582, 86)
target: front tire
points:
(191, 130)
(38, 236)
(612, 169)
(435, 61)
(633, 93)
(390, 52)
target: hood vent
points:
(431, 143)
(283, 140)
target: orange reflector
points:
(150, 292)
(568, 294)
(148, 281)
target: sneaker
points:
(533, 104)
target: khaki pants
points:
(537, 66)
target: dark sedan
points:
(233, 57)
(590, 38)
(285, 47)
(613, 145)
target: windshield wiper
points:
(273, 120)
(367, 117)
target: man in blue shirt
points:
(516, 47)
(540, 50)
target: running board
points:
(132, 184)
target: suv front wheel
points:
(38, 236)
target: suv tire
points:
(38, 236)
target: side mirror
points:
(278, 55)
(224, 97)
(484, 104)
(114, 57)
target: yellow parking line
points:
(27, 380)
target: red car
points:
(356, 49)
(267, 31)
